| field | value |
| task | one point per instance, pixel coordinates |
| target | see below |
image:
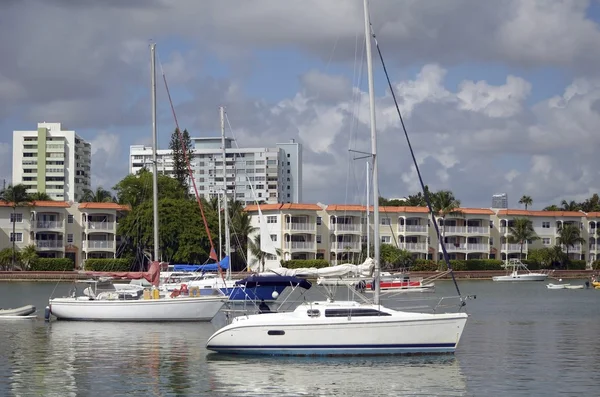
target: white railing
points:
(101, 225)
(346, 246)
(502, 229)
(514, 247)
(49, 224)
(301, 227)
(478, 247)
(49, 243)
(593, 247)
(348, 227)
(300, 245)
(478, 230)
(415, 246)
(98, 244)
(455, 229)
(412, 228)
(450, 247)
(575, 248)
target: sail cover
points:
(152, 275)
(347, 269)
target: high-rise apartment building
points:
(500, 200)
(270, 175)
(52, 160)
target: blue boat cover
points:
(271, 281)
(209, 267)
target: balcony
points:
(592, 247)
(575, 248)
(478, 230)
(49, 224)
(348, 227)
(478, 247)
(415, 246)
(100, 226)
(49, 244)
(300, 227)
(455, 229)
(503, 229)
(98, 244)
(514, 247)
(300, 245)
(455, 247)
(346, 246)
(413, 228)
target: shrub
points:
(423, 265)
(108, 264)
(52, 264)
(300, 263)
(596, 265)
(576, 264)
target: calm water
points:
(521, 339)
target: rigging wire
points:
(412, 153)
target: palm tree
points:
(259, 256)
(444, 203)
(15, 196)
(520, 232)
(526, 200)
(552, 207)
(570, 206)
(569, 235)
(40, 196)
(28, 256)
(100, 195)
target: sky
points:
(497, 96)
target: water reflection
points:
(263, 376)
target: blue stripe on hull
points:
(338, 350)
(258, 293)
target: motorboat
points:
(558, 286)
(18, 313)
(518, 271)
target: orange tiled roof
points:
(509, 212)
(477, 211)
(297, 206)
(104, 206)
(593, 214)
(263, 207)
(346, 207)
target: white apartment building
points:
(337, 232)
(61, 229)
(52, 160)
(271, 175)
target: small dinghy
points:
(574, 286)
(557, 286)
(22, 312)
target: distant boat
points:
(18, 313)
(517, 271)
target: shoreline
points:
(27, 276)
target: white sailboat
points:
(344, 327)
(126, 302)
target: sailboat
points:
(344, 327)
(127, 302)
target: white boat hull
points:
(18, 311)
(522, 277)
(202, 308)
(292, 334)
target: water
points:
(521, 339)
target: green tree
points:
(520, 232)
(177, 145)
(569, 235)
(8, 256)
(100, 195)
(526, 200)
(592, 204)
(40, 196)
(552, 207)
(28, 256)
(258, 255)
(393, 257)
(570, 205)
(16, 196)
(136, 189)
(444, 203)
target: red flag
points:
(213, 254)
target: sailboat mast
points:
(368, 222)
(225, 204)
(154, 157)
(376, 239)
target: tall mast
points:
(225, 204)
(368, 223)
(376, 239)
(154, 157)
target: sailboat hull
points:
(201, 308)
(297, 334)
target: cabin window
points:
(351, 312)
(275, 332)
(313, 313)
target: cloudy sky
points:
(498, 96)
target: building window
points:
(70, 219)
(386, 239)
(18, 239)
(546, 241)
(318, 239)
(491, 224)
(70, 238)
(546, 225)
(386, 221)
(273, 237)
(288, 155)
(16, 218)
(288, 171)
(271, 219)
(288, 163)
(319, 220)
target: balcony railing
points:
(413, 228)
(342, 246)
(49, 224)
(49, 244)
(478, 247)
(89, 244)
(455, 229)
(453, 247)
(300, 245)
(300, 227)
(593, 247)
(502, 229)
(414, 246)
(575, 248)
(478, 230)
(348, 227)
(514, 247)
(101, 225)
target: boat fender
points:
(175, 293)
(361, 286)
(184, 289)
(47, 313)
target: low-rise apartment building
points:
(338, 232)
(61, 229)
